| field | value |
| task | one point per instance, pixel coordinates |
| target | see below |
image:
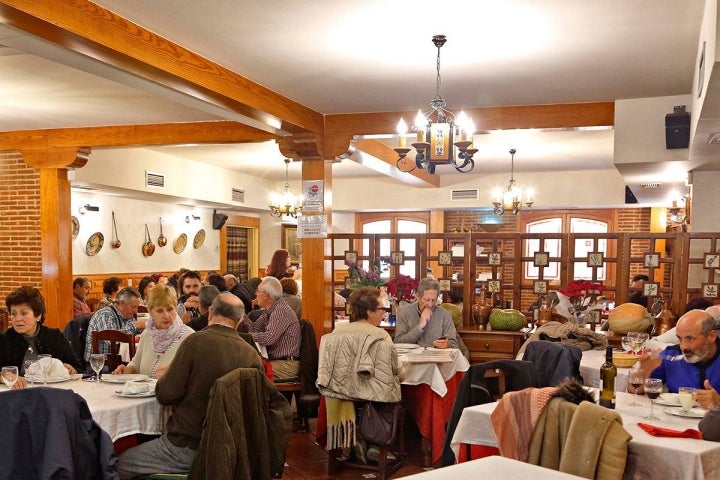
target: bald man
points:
(700, 368)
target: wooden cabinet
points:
(485, 345)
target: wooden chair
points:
(385, 466)
(115, 337)
(92, 303)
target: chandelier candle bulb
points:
(420, 125)
(402, 130)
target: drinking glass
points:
(9, 376)
(45, 365)
(26, 368)
(636, 379)
(638, 342)
(97, 362)
(686, 395)
(653, 388)
(627, 343)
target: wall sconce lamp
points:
(194, 217)
(88, 208)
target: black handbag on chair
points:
(379, 421)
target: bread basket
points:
(624, 360)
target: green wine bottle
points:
(608, 372)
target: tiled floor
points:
(307, 460)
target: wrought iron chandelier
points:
(436, 131)
(511, 200)
(285, 203)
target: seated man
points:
(700, 368)
(116, 316)
(206, 297)
(423, 322)
(200, 360)
(277, 328)
(81, 288)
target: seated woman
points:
(145, 286)
(160, 340)
(357, 362)
(28, 337)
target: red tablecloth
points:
(431, 411)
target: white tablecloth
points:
(590, 370)
(434, 374)
(648, 457)
(116, 415)
(493, 467)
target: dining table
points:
(492, 467)
(120, 416)
(428, 391)
(648, 456)
(590, 364)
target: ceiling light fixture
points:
(285, 203)
(511, 200)
(436, 130)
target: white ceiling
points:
(347, 56)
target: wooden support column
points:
(317, 298)
(56, 227)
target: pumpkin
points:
(629, 317)
(507, 319)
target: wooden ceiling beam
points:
(388, 156)
(134, 135)
(93, 32)
(341, 128)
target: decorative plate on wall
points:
(180, 243)
(75, 227)
(94, 244)
(199, 238)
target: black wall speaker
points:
(219, 220)
(677, 129)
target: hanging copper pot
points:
(115, 240)
(148, 247)
(162, 239)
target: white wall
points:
(640, 129)
(131, 216)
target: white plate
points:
(126, 377)
(135, 395)
(406, 346)
(694, 413)
(668, 399)
(40, 380)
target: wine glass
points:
(638, 342)
(9, 376)
(653, 388)
(636, 379)
(97, 362)
(627, 343)
(27, 364)
(44, 361)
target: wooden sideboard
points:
(485, 345)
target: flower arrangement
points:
(359, 277)
(402, 288)
(582, 294)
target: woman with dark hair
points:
(28, 337)
(279, 265)
(111, 287)
(146, 284)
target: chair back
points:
(115, 338)
(308, 357)
(50, 433)
(483, 383)
(553, 361)
(75, 333)
(92, 303)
